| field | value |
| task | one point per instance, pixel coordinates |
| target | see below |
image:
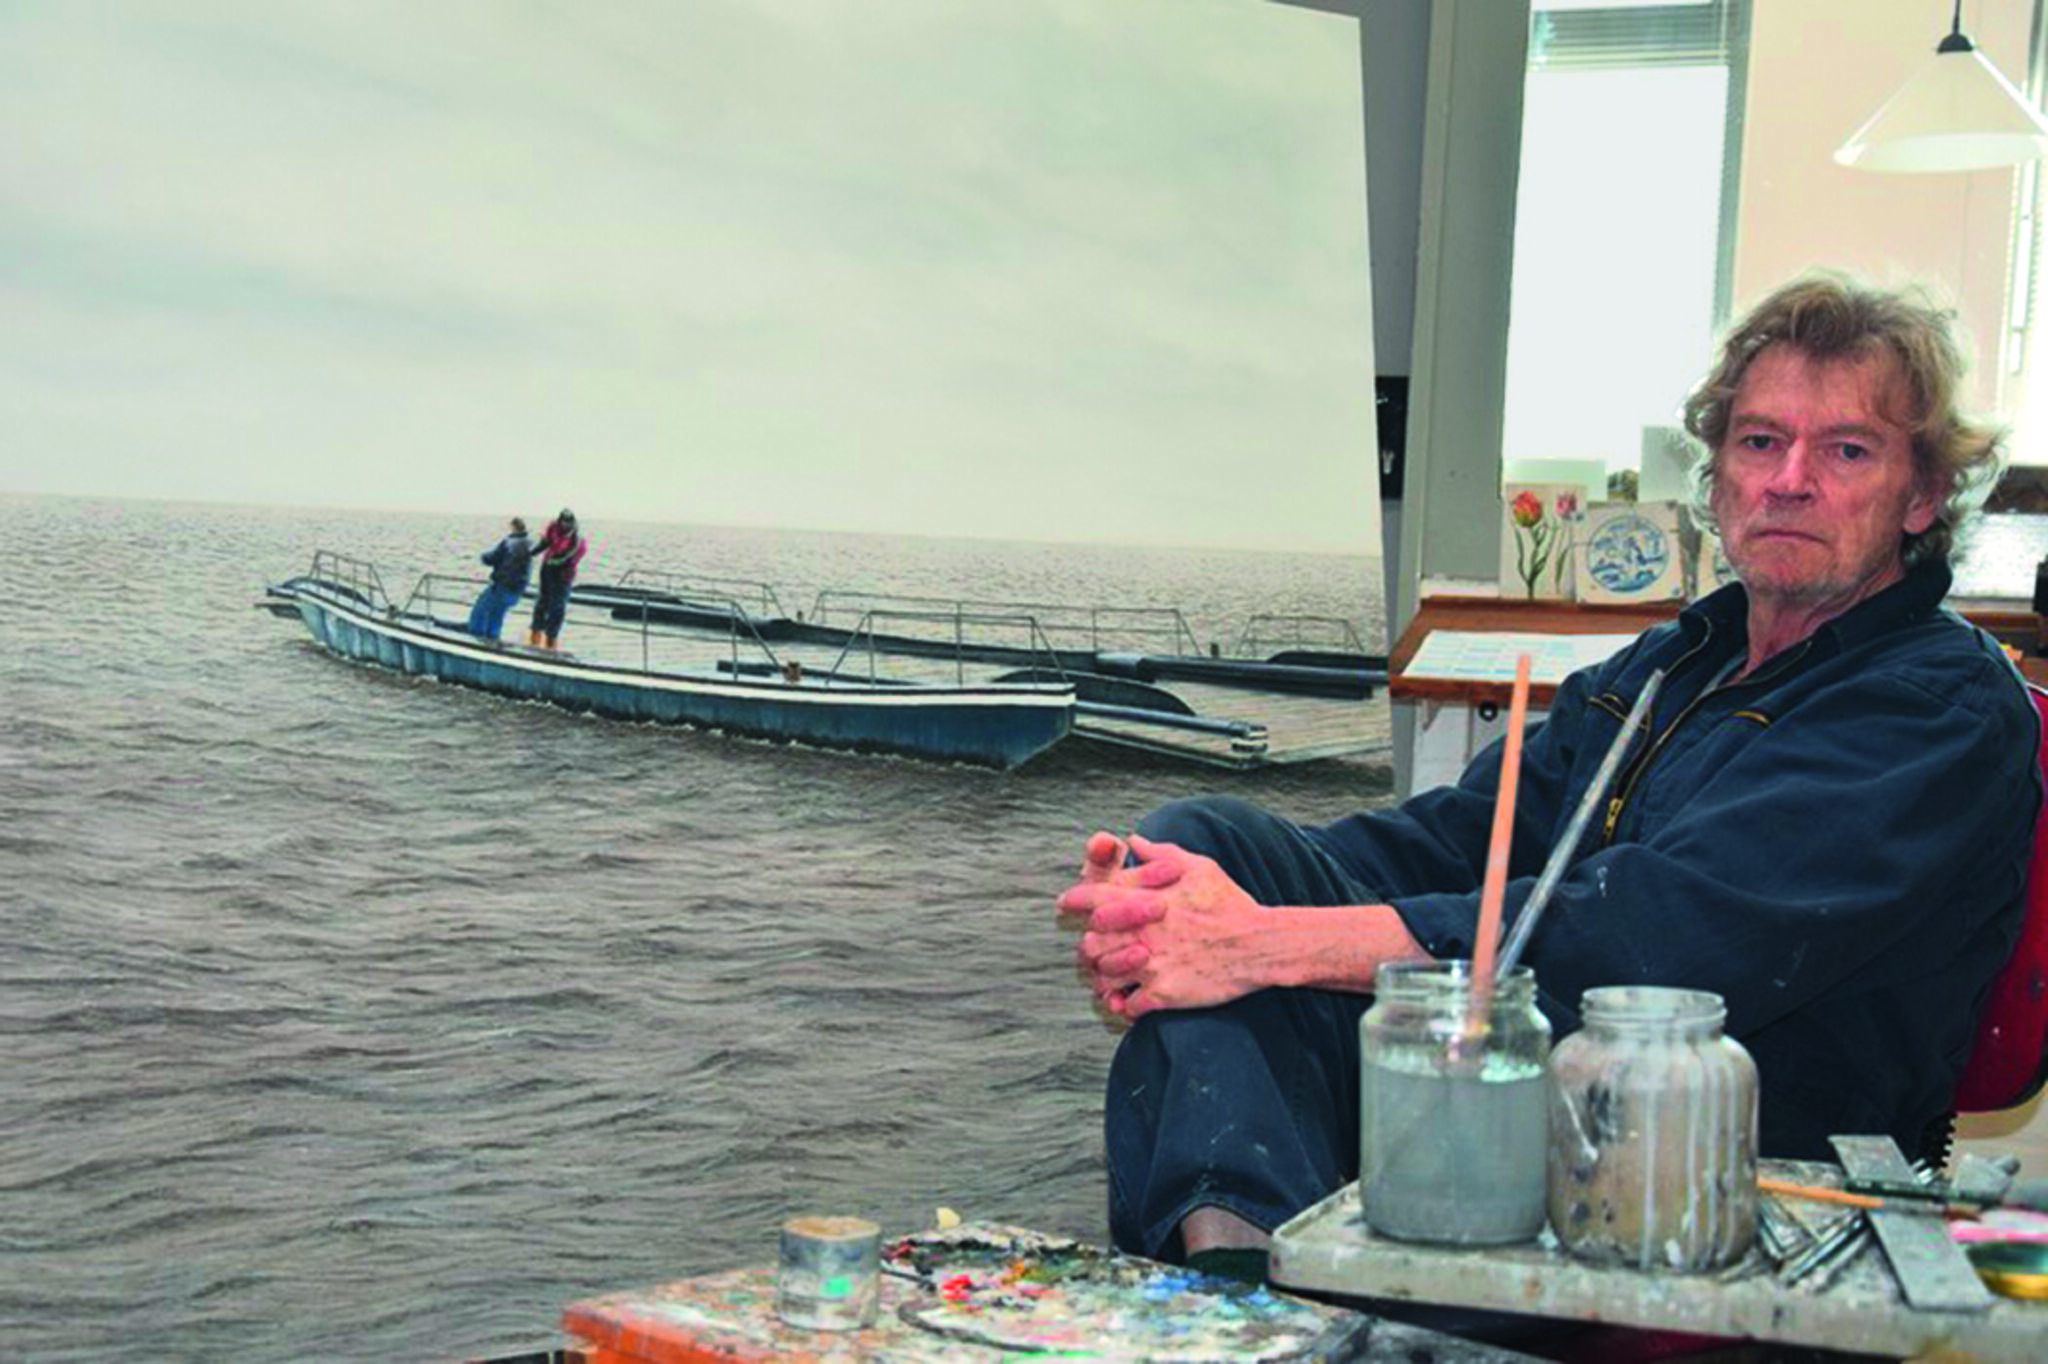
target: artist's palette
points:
(1025, 1292)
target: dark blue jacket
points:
(1836, 845)
(510, 560)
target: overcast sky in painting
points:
(1038, 269)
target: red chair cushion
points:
(2007, 1063)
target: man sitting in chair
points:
(1826, 819)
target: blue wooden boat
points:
(342, 602)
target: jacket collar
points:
(1724, 615)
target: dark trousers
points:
(552, 605)
(1251, 1106)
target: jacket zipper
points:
(1634, 775)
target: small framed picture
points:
(1629, 552)
(1539, 534)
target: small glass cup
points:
(828, 1276)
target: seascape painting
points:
(355, 1014)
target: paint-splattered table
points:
(1329, 1249)
(1153, 1313)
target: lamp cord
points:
(1956, 42)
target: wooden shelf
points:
(1481, 615)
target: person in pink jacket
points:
(560, 550)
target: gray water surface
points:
(349, 1016)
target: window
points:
(2023, 369)
(1623, 225)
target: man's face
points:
(1815, 484)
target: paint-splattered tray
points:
(978, 1295)
(1329, 1249)
(1019, 1291)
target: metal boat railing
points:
(433, 593)
(738, 619)
(959, 620)
(1300, 632)
(433, 589)
(357, 577)
(1129, 623)
(442, 601)
(687, 585)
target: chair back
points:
(2010, 1058)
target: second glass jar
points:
(1653, 1133)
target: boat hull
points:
(990, 726)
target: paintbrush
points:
(1553, 870)
(1868, 1202)
(1487, 938)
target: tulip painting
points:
(1569, 513)
(1541, 525)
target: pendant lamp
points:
(1957, 113)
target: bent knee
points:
(1202, 823)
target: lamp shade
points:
(1957, 113)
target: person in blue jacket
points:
(509, 561)
(1826, 819)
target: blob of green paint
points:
(838, 1286)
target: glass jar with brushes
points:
(1653, 1133)
(1452, 1106)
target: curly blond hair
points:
(1828, 316)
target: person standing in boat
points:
(510, 562)
(1827, 821)
(561, 549)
